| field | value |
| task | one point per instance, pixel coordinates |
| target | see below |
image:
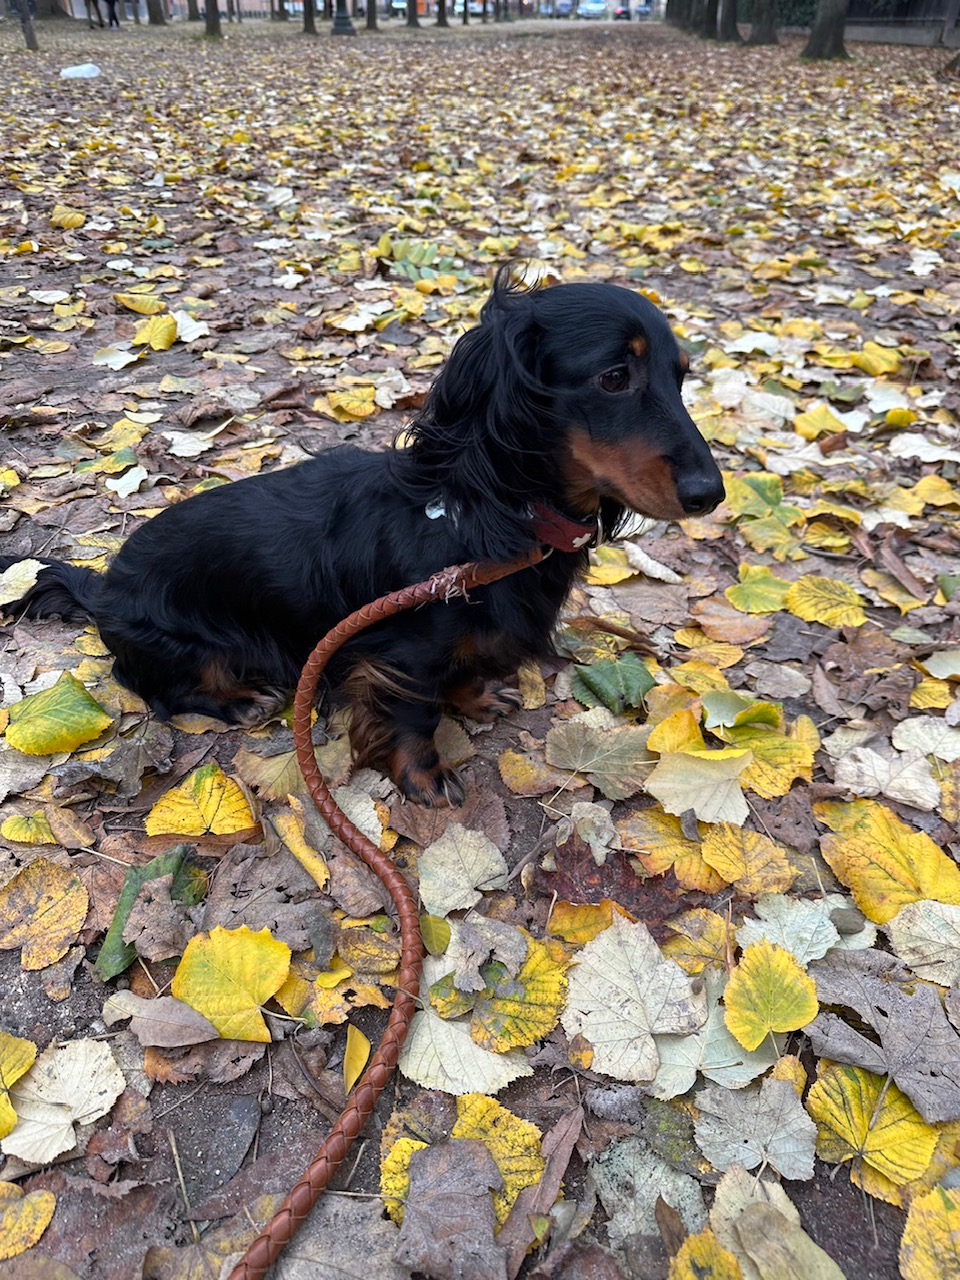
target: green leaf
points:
(58, 719)
(115, 954)
(616, 683)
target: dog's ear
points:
(490, 383)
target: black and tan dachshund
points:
(553, 420)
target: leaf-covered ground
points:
(731, 817)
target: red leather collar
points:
(560, 531)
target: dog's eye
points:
(615, 380)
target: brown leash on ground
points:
(443, 586)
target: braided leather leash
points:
(443, 586)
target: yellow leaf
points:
(825, 600)
(42, 909)
(23, 1218)
(657, 842)
(900, 418)
(16, 1057)
(931, 694)
(355, 1057)
(752, 861)
(527, 775)
(67, 218)
(865, 1119)
(61, 718)
(159, 333)
(768, 991)
(28, 829)
(708, 782)
(289, 827)
(884, 863)
(579, 923)
(703, 1257)
(353, 405)
(817, 422)
(513, 1143)
(205, 803)
(228, 974)
(676, 733)
(930, 1247)
(609, 565)
(699, 676)
(701, 939)
(758, 590)
(395, 1176)
(144, 304)
(777, 760)
(876, 360)
(514, 1011)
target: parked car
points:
(556, 9)
(595, 9)
(644, 11)
(398, 9)
(622, 13)
(474, 8)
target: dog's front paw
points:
(485, 700)
(434, 787)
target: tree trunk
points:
(212, 19)
(282, 14)
(371, 15)
(26, 25)
(708, 28)
(727, 29)
(763, 25)
(193, 11)
(442, 13)
(412, 18)
(309, 17)
(826, 34)
(155, 15)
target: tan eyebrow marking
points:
(638, 346)
(684, 361)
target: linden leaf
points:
(18, 579)
(768, 991)
(622, 992)
(614, 758)
(27, 829)
(456, 869)
(441, 1055)
(702, 1257)
(926, 936)
(701, 939)
(16, 1057)
(144, 304)
(353, 405)
(707, 782)
(657, 843)
(67, 218)
(929, 1247)
(228, 974)
(754, 1126)
(884, 863)
(159, 333)
(395, 1176)
(777, 760)
(74, 1083)
(514, 1012)
(24, 1217)
(825, 600)
(865, 1119)
(61, 718)
(513, 1143)
(759, 590)
(205, 803)
(42, 909)
(753, 862)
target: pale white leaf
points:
(441, 1055)
(457, 868)
(622, 990)
(928, 735)
(926, 936)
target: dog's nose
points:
(700, 492)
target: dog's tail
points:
(61, 591)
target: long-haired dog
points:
(554, 418)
